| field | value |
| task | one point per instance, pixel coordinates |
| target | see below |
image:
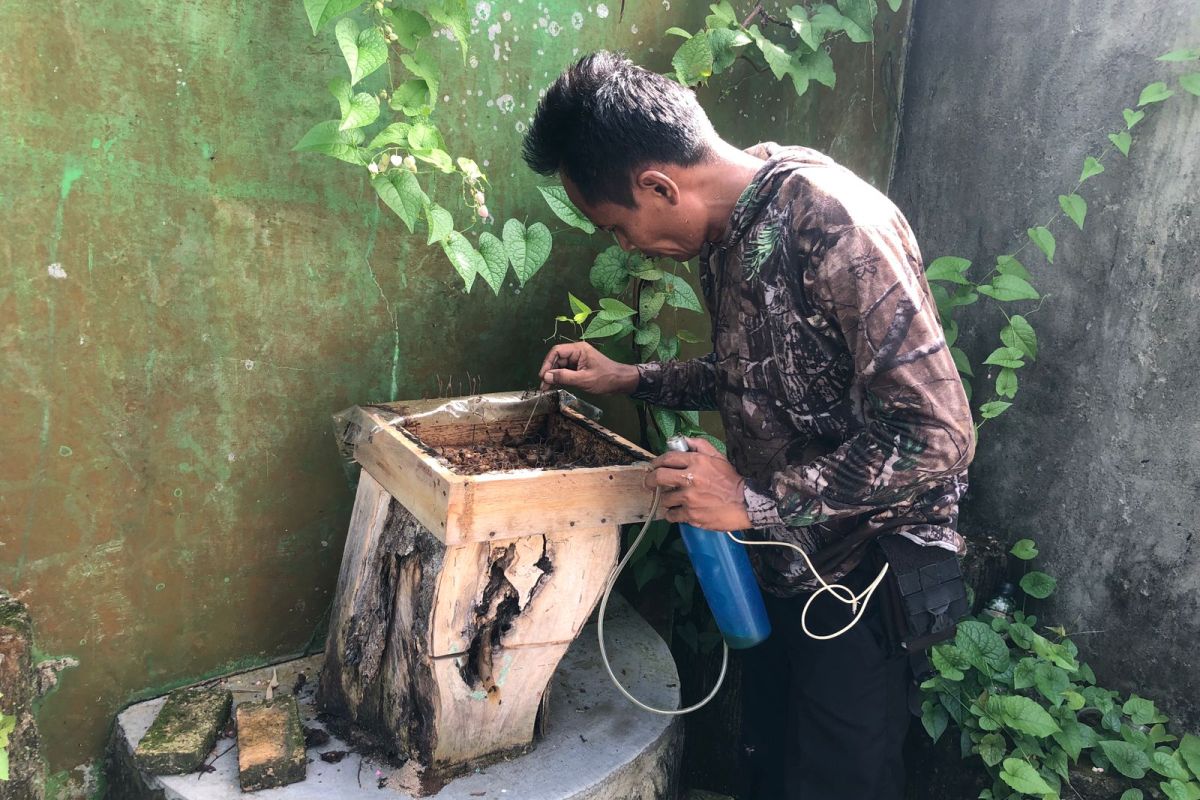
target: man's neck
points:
(721, 182)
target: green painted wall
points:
(184, 303)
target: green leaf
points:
(1180, 55)
(396, 133)
(454, 15)
(994, 409)
(1042, 237)
(4, 763)
(409, 26)
(948, 662)
(564, 209)
(687, 336)
(495, 261)
(650, 302)
(1169, 767)
(935, 719)
(1126, 759)
(992, 749)
(860, 17)
(412, 98)
(1005, 357)
(1189, 749)
(600, 328)
(981, 646)
(1191, 83)
(1132, 794)
(680, 294)
(894, 5)
(961, 361)
(537, 244)
(778, 59)
(1022, 714)
(1025, 550)
(321, 12)
(440, 221)
(1132, 117)
(668, 348)
(648, 336)
(1019, 333)
(1006, 383)
(1022, 777)
(948, 268)
(1142, 711)
(951, 331)
(1038, 584)
(1090, 167)
(693, 61)
(436, 156)
(1007, 265)
(365, 51)
(401, 192)
(328, 139)
(609, 273)
(418, 66)
(1051, 681)
(578, 307)
(1009, 288)
(1178, 790)
(466, 259)
(1074, 207)
(803, 27)
(680, 32)
(724, 12)
(1154, 93)
(724, 43)
(614, 309)
(363, 110)
(1122, 141)
(667, 422)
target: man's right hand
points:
(580, 366)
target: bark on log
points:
(443, 653)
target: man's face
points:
(666, 221)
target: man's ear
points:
(658, 184)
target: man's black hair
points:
(605, 118)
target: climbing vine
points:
(1009, 281)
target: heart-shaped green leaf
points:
(1132, 117)
(527, 248)
(396, 133)
(1090, 167)
(495, 261)
(467, 261)
(1180, 55)
(401, 192)
(1121, 141)
(412, 98)
(321, 12)
(1022, 777)
(1038, 585)
(564, 209)
(1006, 383)
(363, 110)
(1019, 333)
(1191, 83)
(1042, 237)
(1025, 550)
(329, 139)
(1007, 265)
(948, 268)
(1005, 357)
(365, 51)
(1009, 288)
(440, 222)
(994, 409)
(1127, 759)
(693, 61)
(1154, 93)
(1074, 207)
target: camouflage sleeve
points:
(918, 425)
(681, 385)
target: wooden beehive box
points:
(461, 589)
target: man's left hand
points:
(700, 488)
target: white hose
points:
(841, 593)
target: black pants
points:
(824, 720)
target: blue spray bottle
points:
(725, 576)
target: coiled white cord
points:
(858, 602)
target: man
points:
(844, 414)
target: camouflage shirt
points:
(842, 406)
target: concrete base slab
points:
(597, 746)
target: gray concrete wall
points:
(1099, 460)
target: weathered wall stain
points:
(185, 302)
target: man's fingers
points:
(673, 459)
(563, 377)
(703, 446)
(667, 478)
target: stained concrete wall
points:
(1099, 460)
(185, 302)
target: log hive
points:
(459, 594)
